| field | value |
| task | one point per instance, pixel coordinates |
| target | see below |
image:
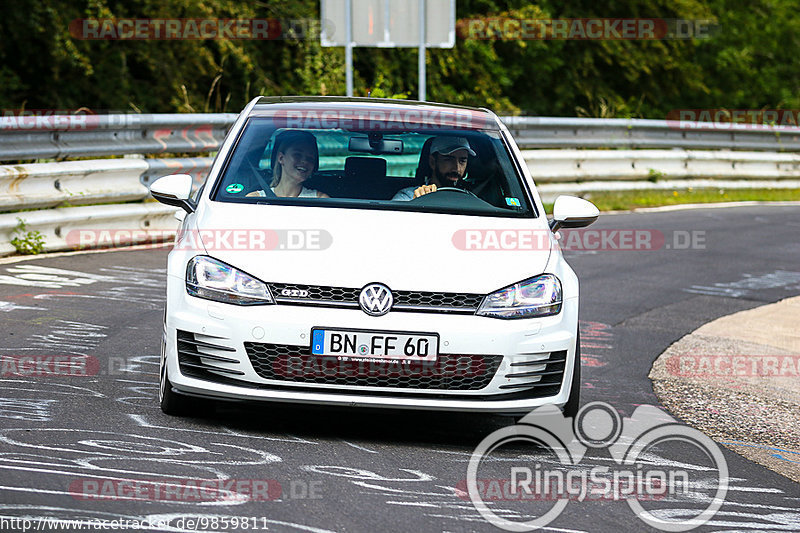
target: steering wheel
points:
(455, 189)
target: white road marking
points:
(140, 420)
(356, 446)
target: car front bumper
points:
(513, 341)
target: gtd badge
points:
(295, 293)
(376, 299)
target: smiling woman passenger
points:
(294, 159)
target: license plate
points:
(374, 344)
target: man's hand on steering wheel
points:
(425, 189)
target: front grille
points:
(437, 299)
(315, 293)
(446, 302)
(292, 363)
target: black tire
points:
(573, 404)
(172, 404)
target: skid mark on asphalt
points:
(69, 336)
(403, 487)
(425, 492)
(142, 394)
(21, 385)
(33, 409)
(141, 421)
(88, 459)
(448, 502)
(144, 286)
(597, 340)
(143, 365)
(357, 447)
(750, 284)
(48, 277)
(11, 306)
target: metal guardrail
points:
(570, 165)
(75, 228)
(98, 135)
(573, 168)
(41, 185)
(565, 132)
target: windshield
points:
(458, 171)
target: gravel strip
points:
(737, 379)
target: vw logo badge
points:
(376, 299)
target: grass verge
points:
(626, 200)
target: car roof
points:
(477, 118)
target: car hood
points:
(353, 247)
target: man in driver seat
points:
(448, 162)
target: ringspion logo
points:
(533, 489)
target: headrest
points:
(357, 167)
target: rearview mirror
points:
(572, 212)
(174, 189)
(375, 144)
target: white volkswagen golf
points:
(370, 253)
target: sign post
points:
(421, 56)
(348, 46)
(420, 24)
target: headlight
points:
(535, 297)
(214, 280)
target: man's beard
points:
(447, 180)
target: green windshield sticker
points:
(512, 201)
(234, 188)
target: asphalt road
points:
(359, 470)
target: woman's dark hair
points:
(283, 141)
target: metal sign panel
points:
(389, 23)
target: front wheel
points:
(573, 404)
(171, 403)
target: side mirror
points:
(176, 190)
(572, 212)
